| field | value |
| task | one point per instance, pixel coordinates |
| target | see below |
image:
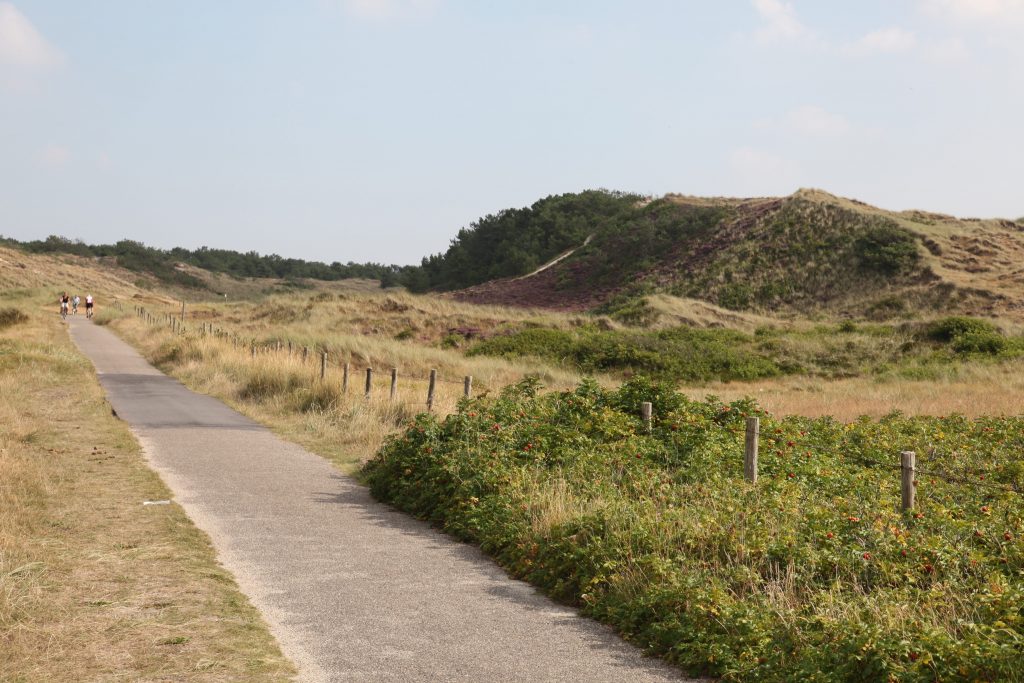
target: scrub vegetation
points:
(688, 354)
(813, 573)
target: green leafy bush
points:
(811, 574)
(948, 329)
(991, 343)
(886, 249)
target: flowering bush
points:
(814, 573)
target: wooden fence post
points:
(394, 383)
(323, 366)
(344, 379)
(430, 390)
(467, 386)
(305, 353)
(369, 382)
(908, 467)
(182, 311)
(750, 452)
(646, 413)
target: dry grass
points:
(284, 390)
(94, 586)
(41, 278)
(382, 330)
(674, 311)
(972, 390)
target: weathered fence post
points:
(430, 390)
(305, 353)
(369, 382)
(908, 467)
(394, 383)
(344, 379)
(323, 366)
(467, 386)
(750, 452)
(182, 311)
(646, 411)
(289, 348)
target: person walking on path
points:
(64, 300)
(88, 305)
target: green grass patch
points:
(812, 574)
(689, 354)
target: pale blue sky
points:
(357, 130)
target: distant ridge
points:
(811, 251)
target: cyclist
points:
(74, 304)
(64, 300)
(88, 305)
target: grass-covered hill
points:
(604, 251)
(804, 253)
(198, 268)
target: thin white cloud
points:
(780, 22)
(889, 40)
(21, 45)
(950, 51)
(814, 121)
(54, 156)
(997, 13)
(380, 10)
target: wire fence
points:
(356, 377)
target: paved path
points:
(353, 590)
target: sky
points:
(373, 130)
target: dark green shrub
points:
(991, 343)
(948, 329)
(452, 341)
(677, 354)
(407, 333)
(886, 250)
(553, 344)
(10, 317)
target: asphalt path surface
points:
(352, 589)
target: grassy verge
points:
(94, 585)
(812, 574)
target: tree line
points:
(509, 243)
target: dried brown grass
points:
(94, 585)
(972, 389)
